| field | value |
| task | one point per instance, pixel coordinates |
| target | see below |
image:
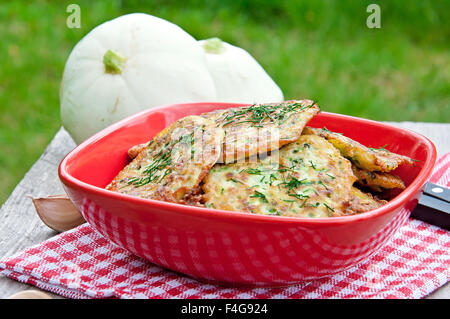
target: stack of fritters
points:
(260, 159)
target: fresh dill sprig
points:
(328, 209)
(158, 169)
(328, 131)
(235, 181)
(293, 182)
(322, 183)
(299, 196)
(260, 195)
(257, 114)
(382, 148)
(152, 171)
(253, 171)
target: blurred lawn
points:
(316, 49)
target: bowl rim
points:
(68, 180)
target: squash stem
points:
(114, 62)
(214, 45)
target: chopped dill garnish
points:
(303, 204)
(253, 171)
(235, 181)
(299, 196)
(293, 182)
(257, 114)
(272, 178)
(382, 148)
(328, 209)
(306, 145)
(260, 195)
(152, 171)
(322, 183)
(158, 168)
(273, 211)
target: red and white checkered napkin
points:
(81, 264)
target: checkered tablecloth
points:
(81, 263)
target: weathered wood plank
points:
(21, 228)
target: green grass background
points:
(316, 49)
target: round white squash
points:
(129, 64)
(238, 77)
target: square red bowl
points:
(233, 247)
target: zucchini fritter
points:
(364, 157)
(261, 128)
(310, 179)
(377, 181)
(136, 149)
(361, 202)
(171, 166)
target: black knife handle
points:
(434, 206)
(437, 191)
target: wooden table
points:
(20, 226)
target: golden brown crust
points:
(363, 157)
(377, 181)
(136, 149)
(261, 128)
(361, 202)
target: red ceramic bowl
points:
(233, 247)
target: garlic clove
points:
(58, 212)
(30, 294)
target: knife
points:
(434, 206)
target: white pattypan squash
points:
(238, 77)
(129, 64)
